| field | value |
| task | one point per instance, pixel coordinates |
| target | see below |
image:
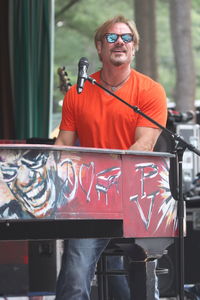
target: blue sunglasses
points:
(113, 37)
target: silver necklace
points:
(114, 88)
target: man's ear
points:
(99, 46)
(133, 52)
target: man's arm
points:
(66, 138)
(145, 138)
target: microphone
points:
(82, 74)
(183, 117)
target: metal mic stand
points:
(181, 145)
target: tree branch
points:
(66, 7)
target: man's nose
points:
(119, 40)
(23, 177)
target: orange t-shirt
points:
(102, 121)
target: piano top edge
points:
(81, 149)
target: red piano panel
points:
(91, 183)
(149, 209)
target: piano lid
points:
(81, 149)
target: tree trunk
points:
(180, 22)
(145, 19)
(152, 40)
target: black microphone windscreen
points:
(82, 74)
(83, 61)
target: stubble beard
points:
(121, 61)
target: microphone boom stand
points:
(181, 145)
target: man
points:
(99, 120)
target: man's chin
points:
(118, 63)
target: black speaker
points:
(28, 267)
(192, 247)
(168, 283)
(13, 268)
(42, 266)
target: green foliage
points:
(74, 38)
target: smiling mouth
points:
(119, 51)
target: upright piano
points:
(59, 192)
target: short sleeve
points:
(153, 103)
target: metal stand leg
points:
(142, 280)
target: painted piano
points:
(51, 192)
(46, 182)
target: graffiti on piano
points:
(30, 181)
(168, 207)
(36, 184)
(106, 179)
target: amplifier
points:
(29, 267)
(168, 283)
(191, 161)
